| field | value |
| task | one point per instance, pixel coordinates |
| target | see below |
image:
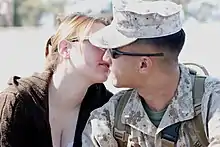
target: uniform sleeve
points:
(212, 118)
(87, 139)
(99, 128)
(12, 121)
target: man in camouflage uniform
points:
(143, 44)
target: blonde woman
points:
(50, 109)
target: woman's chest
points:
(63, 126)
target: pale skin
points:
(79, 69)
(144, 74)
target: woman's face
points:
(88, 61)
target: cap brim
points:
(109, 37)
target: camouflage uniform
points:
(141, 19)
(99, 129)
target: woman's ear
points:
(64, 47)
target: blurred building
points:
(6, 13)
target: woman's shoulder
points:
(97, 95)
(101, 91)
(25, 90)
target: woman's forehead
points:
(96, 26)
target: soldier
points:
(169, 104)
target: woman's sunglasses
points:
(115, 53)
(86, 38)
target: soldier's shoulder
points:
(212, 84)
(118, 95)
(108, 109)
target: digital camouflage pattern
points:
(139, 19)
(99, 128)
(149, 19)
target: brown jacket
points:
(24, 120)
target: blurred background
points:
(25, 25)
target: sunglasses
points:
(76, 39)
(115, 53)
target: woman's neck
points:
(67, 90)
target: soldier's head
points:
(145, 38)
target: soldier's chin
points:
(115, 83)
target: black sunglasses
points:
(115, 53)
(86, 38)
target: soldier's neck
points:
(160, 93)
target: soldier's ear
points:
(145, 64)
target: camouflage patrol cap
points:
(139, 19)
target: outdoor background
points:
(25, 26)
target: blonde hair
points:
(74, 26)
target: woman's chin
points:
(101, 78)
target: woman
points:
(51, 108)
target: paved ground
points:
(22, 50)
